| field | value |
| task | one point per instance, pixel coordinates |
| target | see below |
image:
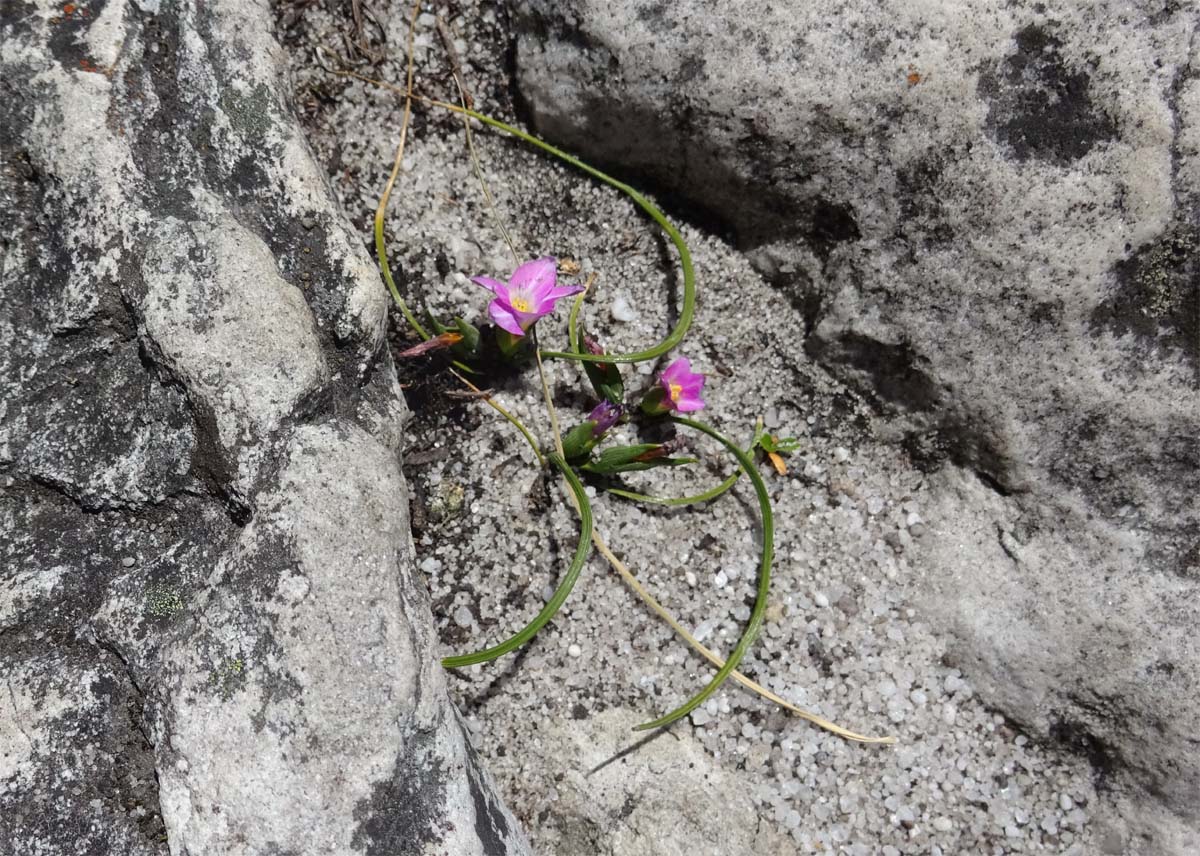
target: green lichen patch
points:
(228, 677)
(162, 601)
(446, 502)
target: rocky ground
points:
(845, 636)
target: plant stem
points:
(456, 71)
(632, 581)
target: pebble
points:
(841, 455)
(127, 562)
(462, 617)
(622, 311)
(574, 650)
(1065, 802)
(690, 579)
(943, 824)
(821, 600)
(704, 629)
(721, 579)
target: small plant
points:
(584, 452)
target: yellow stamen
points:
(676, 390)
(518, 303)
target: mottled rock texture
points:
(988, 217)
(212, 636)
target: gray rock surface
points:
(212, 637)
(846, 636)
(986, 218)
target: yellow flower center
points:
(518, 303)
(676, 390)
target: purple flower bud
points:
(605, 415)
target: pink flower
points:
(531, 292)
(681, 387)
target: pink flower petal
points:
(493, 285)
(505, 317)
(689, 404)
(536, 277)
(676, 371)
(561, 291)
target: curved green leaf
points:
(711, 493)
(764, 579)
(560, 594)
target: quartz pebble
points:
(622, 310)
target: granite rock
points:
(986, 217)
(213, 638)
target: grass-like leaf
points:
(764, 578)
(711, 493)
(560, 594)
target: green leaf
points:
(579, 442)
(606, 380)
(628, 459)
(468, 348)
(784, 445)
(764, 579)
(582, 551)
(686, 312)
(710, 494)
(438, 327)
